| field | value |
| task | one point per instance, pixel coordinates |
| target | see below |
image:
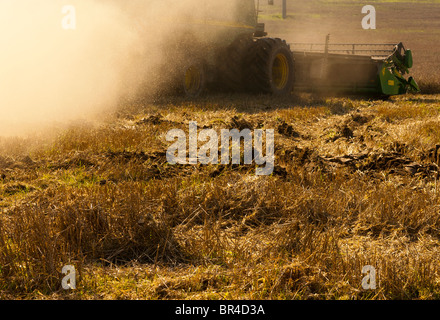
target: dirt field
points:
(354, 184)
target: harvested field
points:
(354, 184)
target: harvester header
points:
(378, 69)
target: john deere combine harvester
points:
(232, 51)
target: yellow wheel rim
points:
(193, 79)
(280, 71)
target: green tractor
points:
(228, 50)
(224, 47)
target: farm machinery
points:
(233, 52)
(347, 68)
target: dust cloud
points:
(118, 49)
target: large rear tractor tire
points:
(269, 67)
(194, 79)
(231, 64)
